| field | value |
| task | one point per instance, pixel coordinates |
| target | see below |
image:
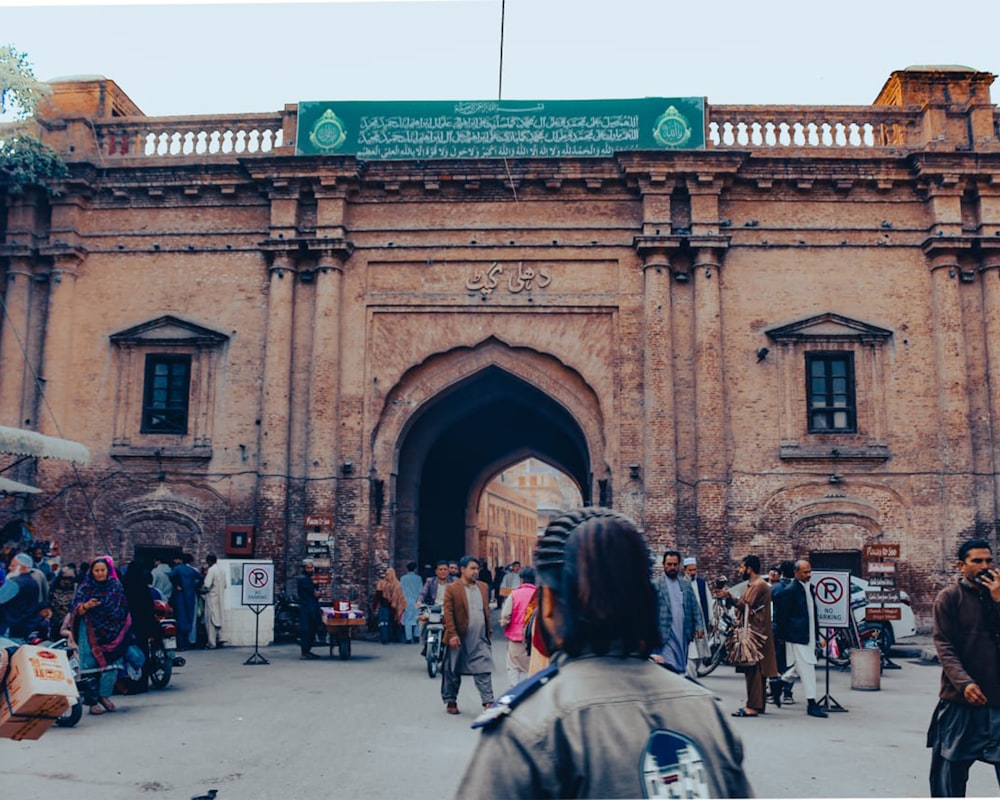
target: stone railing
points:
(751, 127)
(737, 127)
(198, 137)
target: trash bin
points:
(866, 669)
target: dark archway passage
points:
(491, 420)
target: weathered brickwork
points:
(376, 341)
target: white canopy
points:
(7, 486)
(18, 441)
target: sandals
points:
(742, 712)
(108, 705)
(96, 710)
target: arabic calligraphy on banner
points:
(499, 129)
(516, 279)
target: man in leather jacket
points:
(603, 720)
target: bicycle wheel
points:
(706, 666)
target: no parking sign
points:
(258, 584)
(833, 598)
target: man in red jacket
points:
(467, 633)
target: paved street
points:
(374, 726)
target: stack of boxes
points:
(39, 689)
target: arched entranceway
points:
(462, 440)
(480, 411)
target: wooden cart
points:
(338, 633)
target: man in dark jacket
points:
(21, 609)
(781, 691)
(966, 723)
(795, 623)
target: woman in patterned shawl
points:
(389, 601)
(103, 628)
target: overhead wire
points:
(503, 16)
(40, 385)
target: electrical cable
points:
(39, 385)
(506, 166)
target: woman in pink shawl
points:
(102, 626)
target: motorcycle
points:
(717, 633)
(163, 650)
(286, 618)
(432, 616)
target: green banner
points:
(387, 131)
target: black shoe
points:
(775, 687)
(814, 710)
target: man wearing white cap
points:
(701, 592)
(21, 609)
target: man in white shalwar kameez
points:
(213, 587)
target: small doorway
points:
(837, 560)
(147, 552)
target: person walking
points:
(511, 580)
(388, 604)
(754, 605)
(213, 588)
(602, 720)
(678, 613)
(411, 586)
(781, 690)
(795, 623)
(965, 727)
(466, 620)
(186, 581)
(512, 620)
(701, 649)
(309, 609)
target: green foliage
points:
(20, 90)
(24, 159)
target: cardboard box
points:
(32, 727)
(37, 673)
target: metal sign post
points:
(833, 610)
(883, 573)
(258, 594)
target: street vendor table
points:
(339, 631)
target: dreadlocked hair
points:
(597, 563)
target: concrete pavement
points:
(374, 727)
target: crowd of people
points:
(597, 656)
(107, 614)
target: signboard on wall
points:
(426, 130)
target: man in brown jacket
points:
(467, 634)
(966, 723)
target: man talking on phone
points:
(966, 723)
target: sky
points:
(193, 58)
